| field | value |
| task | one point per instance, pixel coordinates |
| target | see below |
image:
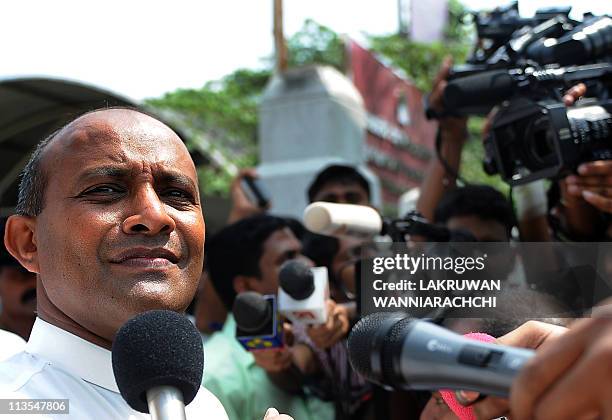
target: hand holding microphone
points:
(337, 326)
(303, 293)
(570, 376)
(303, 297)
(397, 351)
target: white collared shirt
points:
(10, 344)
(58, 364)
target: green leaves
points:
(225, 111)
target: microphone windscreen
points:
(369, 335)
(251, 311)
(157, 348)
(481, 89)
(296, 279)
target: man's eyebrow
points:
(104, 171)
(287, 255)
(174, 177)
(168, 177)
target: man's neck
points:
(50, 313)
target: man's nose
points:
(148, 214)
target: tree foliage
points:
(421, 61)
(315, 43)
(226, 110)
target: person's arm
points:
(531, 211)
(571, 379)
(593, 184)
(580, 219)
(533, 335)
(288, 367)
(570, 376)
(335, 329)
(242, 207)
(453, 132)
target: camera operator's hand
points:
(242, 207)
(593, 183)
(440, 177)
(532, 334)
(574, 93)
(336, 327)
(454, 127)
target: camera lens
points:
(540, 149)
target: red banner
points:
(400, 140)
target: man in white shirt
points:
(11, 344)
(110, 220)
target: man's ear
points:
(20, 241)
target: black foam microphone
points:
(589, 41)
(303, 293)
(296, 279)
(257, 327)
(158, 361)
(478, 93)
(398, 351)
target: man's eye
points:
(104, 189)
(180, 194)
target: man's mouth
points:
(146, 258)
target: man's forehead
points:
(282, 239)
(118, 136)
(340, 186)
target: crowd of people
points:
(109, 224)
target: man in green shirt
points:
(247, 256)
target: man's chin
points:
(151, 293)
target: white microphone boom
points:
(329, 218)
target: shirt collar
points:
(73, 354)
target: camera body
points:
(530, 140)
(522, 68)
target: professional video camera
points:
(504, 37)
(524, 66)
(506, 40)
(534, 135)
(530, 140)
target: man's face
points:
(17, 291)
(483, 230)
(281, 246)
(343, 193)
(122, 229)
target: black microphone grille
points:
(252, 311)
(296, 279)
(367, 341)
(157, 348)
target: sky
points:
(144, 48)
